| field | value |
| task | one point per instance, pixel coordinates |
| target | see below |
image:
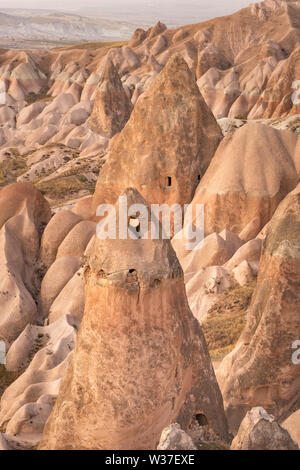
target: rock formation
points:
(66, 121)
(277, 99)
(166, 145)
(292, 426)
(112, 106)
(24, 212)
(44, 354)
(251, 172)
(260, 371)
(259, 431)
(174, 438)
(141, 360)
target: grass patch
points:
(6, 378)
(214, 446)
(34, 97)
(226, 320)
(65, 185)
(94, 45)
(241, 117)
(11, 168)
(294, 126)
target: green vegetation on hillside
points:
(94, 45)
(226, 320)
(66, 184)
(34, 97)
(6, 378)
(11, 168)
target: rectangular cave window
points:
(169, 181)
(199, 178)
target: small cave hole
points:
(201, 419)
(131, 276)
(169, 181)
(156, 283)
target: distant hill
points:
(38, 29)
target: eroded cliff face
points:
(137, 315)
(112, 107)
(260, 370)
(61, 107)
(141, 359)
(166, 145)
(252, 170)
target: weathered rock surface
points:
(55, 279)
(260, 371)
(204, 287)
(70, 300)
(112, 107)
(259, 431)
(45, 353)
(292, 426)
(241, 188)
(166, 145)
(137, 325)
(14, 197)
(174, 438)
(24, 211)
(54, 234)
(214, 250)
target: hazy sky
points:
(220, 5)
(141, 12)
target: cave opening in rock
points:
(201, 419)
(169, 181)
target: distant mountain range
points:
(38, 28)
(41, 29)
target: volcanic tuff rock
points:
(259, 431)
(112, 107)
(45, 353)
(137, 339)
(292, 426)
(23, 212)
(174, 438)
(249, 72)
(252, 171)
(166, 145)
(260, 370)
(203, 288)
(15, 197)
(277, 99)
(54, 234)
(42, 352)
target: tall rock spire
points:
(141, 361)
(263, 369)
(167, 143)
(112, 107)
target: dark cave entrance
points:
(201, 419)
